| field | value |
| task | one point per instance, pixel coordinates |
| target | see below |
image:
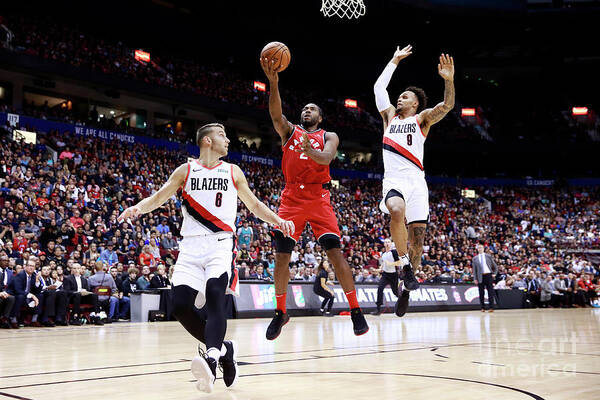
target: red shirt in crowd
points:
(20, 244)
(146, 259)
(94, 193)
(357, 195)
(65, 154)
(77, 221)
(585, 285)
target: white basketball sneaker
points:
(204, 370)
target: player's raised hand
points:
(446, 67)
(132, 213)
(270, 70)
(287, 227)
(305, 145)
(401, 54)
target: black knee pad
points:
(216, 286)
(283, 244)
(330, 241)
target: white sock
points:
(34, 318)
(223, 350)
(213, 353)
(404, 260)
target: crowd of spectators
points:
(69, 45)
(543, 232)
(58, 219)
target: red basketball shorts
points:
(308, 203)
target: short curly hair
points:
(421, 96)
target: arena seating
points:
(528, 230)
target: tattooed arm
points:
(430, 116)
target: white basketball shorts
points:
(416, 196)
(201, 258)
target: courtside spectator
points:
(104, 286)
(143, 281)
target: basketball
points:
(277, 52)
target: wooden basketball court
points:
(513, 354)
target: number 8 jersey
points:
(403, 147)
(209, 199)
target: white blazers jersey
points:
(403, 148)
(209, 199)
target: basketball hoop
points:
(343, 8)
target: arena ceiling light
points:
(579, 111)
(260, 86)
(142, 56)
(350, 103)
(467, 112)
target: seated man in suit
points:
(533, 291)
(103, 281)
(160, 279)
(451, 278)
(77, 290)
(26, 288)
(54, 302)
(123, 300)
(561, 286)
(7, 299)
(571, 285)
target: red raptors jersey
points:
(298, 167)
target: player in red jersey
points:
(307, 152)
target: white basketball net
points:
(343, 8)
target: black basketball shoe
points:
(410, 282)
(228, 364)
(402, 303)
(204, 370)
(359, 322)
(279, 320)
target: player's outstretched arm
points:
(382, 98)
(430, 116)
(255, 206)
(280, 122)
(324, 157)
(176, 180)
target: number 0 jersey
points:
(298, 167)
(403, 148)
(209, 199)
